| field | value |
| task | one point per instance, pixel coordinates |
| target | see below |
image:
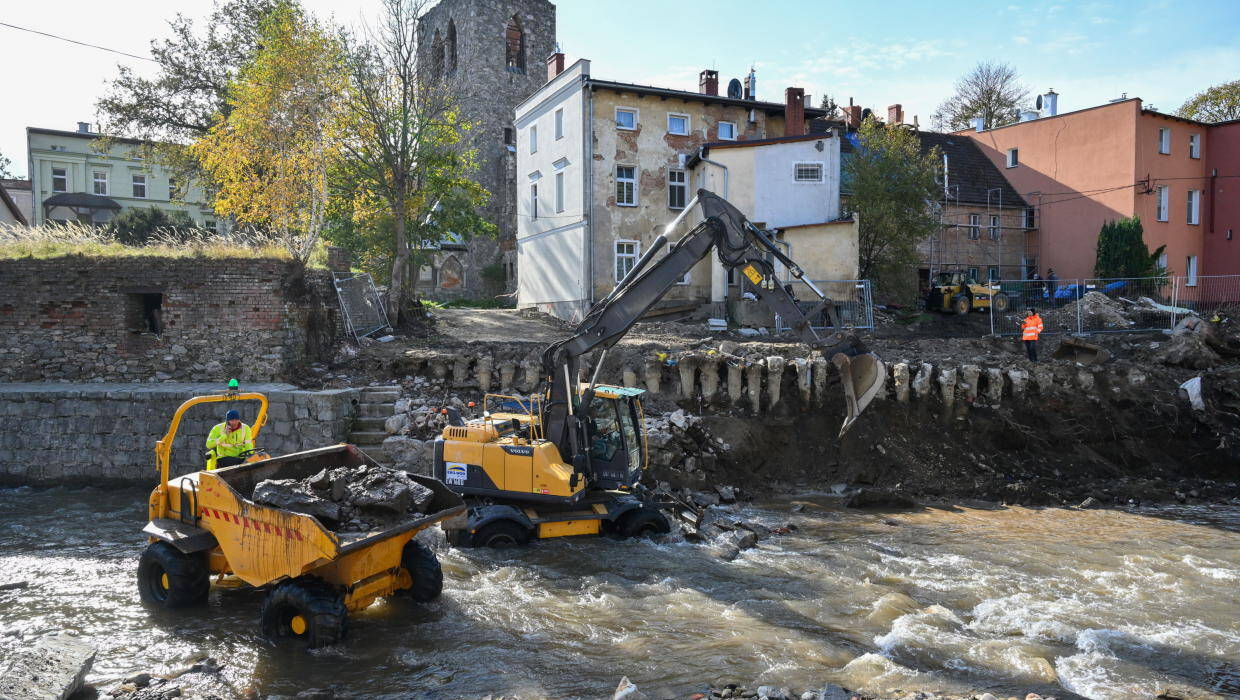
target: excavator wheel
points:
(306, 609)
(500, 534)
(642, 522)
(423, 567)
(169, 578)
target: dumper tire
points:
(420, 562)
(324, 618)
(169, 578)
(1000, 303)
(961, 304)
(499, 534)
(643, 522)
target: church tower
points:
(491, 55)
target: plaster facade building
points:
(490, 56)
(76, 176)
(16, 203)
(602, 167)
(1081, 169)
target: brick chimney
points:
(555, 65)
(895, 114)
(794, 111)
(708, 82)
(852, 116)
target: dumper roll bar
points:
(163, 448)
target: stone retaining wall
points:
(157, 319)
(100, 433)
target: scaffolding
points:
(960, 245)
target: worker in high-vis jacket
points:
(1030, 328)
(228, 440)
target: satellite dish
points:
(734, 89)
(1039, 103)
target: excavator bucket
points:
(863, 378)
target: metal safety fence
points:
(852, 301)
(1118, 305)
(360, 303)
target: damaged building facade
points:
(488, 55)
(603, 166)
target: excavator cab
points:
(616, 436)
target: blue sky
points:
(876, 52)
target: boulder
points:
(53, 669)
(298, 497)
(387, 490)
(396, 424)
(406, 453)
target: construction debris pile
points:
(1098, 310)
(349, 499)
(1199, 344)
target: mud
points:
(349, 500)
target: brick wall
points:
(92, 319)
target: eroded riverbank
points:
(1097, 603)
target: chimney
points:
(794, 111)
(979, 123)
(895, 114)
(1050, 103)
(751, 85)
(1028, 115)
(555, 65)
(83, 127)
(852, 116)
(708, 82)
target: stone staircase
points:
(376, 405)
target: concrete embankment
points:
(100, 432)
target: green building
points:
(74, 177)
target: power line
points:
(79, 43)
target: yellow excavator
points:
(569, 460)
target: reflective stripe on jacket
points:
(228, 444)
(1031, 327)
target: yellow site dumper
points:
(204, 529)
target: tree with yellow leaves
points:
(269, 159)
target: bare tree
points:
(991, 90)
(405, 160)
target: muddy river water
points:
(1097, 603)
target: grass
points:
(467, 304)
(63, 240)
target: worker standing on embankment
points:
(1030, 328)
(229, 439)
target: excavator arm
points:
(739, 245)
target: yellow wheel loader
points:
(204, 530)
(955, 292)
(569, 460)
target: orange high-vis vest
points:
(1031, 327)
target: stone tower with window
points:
(491, 55)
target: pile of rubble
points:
(1199, 344)
(1098, 310)
(680, 442)
(349, 499)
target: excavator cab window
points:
(605, 438)
(632, 441)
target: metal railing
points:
(1056, 302)
(853, 301)
(1205, 295)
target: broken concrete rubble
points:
(349, 498)
(52, 669)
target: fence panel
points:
(1206, 295)
(852, 300)
(1127, 304)
(1056, 302)
(361, 304)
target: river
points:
(1097, 603)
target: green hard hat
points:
(232, 384)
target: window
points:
(807, 172)
(100, 179)
(211, 225)
(677, 189)
(626, 185)
(626, 119)
(1190, 268)
(139, 186)
(995, 228)
(1013, 157)
(1164, 140)
(534, 139)
(992, 275)
(1194, 207)
(972, 272)
(514, 46)
(144, 312)
(60, 180)
(437, 51)
(1194, 145)
(727, 131)
(626, 257)
(678, 124)
(1030, 218)
(559, 192)
(975, 227)
(451, 47)
(534, 201)
(1161, 206)
(174, 188)
(510, 136)
(559, 124)
(1162, 261)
